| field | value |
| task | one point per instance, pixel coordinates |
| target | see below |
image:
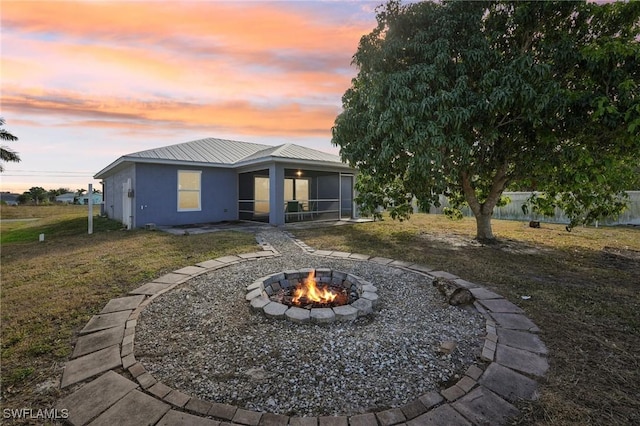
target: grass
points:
(585, 297)
(50, 289)
(584, 289)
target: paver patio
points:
(484, 395)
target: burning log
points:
(454, 294)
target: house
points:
(9, 199)
(67, 198)
(215, 180)
(83, 199)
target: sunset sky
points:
(88, 81)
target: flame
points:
(310, 292)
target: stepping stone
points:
(509, 384)
(177, 418)
(483, 293)
(443, 274)
(122, 304)
(210, 264)
(444, 415)
(228, 259)
(150, 289)
(136, 408)
(514, 321)
(86, 366)
(521, 360)
(190, 270)
(382, 260)
(501, 305)
(99, 340)
(95, 397)
(104, 321)
(521, 340)
(171, 278)
(420, 268)
(485, 407)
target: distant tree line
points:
(38, 195)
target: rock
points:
(454, 294)
(447, 347)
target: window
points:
(189, 190)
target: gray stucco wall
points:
(156, 196)
(112, 190)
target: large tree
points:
(467, 99)
(6, 153)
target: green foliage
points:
(6, 153)
(453, 213)
(467, 98)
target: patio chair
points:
(293, 207)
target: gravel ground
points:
(203, 339)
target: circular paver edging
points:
(513, 354)
(260, 292)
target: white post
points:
(90, 209)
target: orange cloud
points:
(266, 27)
(242, 117)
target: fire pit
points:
(312, 295)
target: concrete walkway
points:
(107, 386)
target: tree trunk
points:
(484, 232)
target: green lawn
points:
(584, 288)
(585, 297)
(50, 289)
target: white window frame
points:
(199, 191)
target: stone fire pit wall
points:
(259, 292)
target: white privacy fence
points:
(513, 210)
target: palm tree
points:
(7, 154)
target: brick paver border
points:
(514, 360)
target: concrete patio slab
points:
(122, 304)
(99, 340)
(95, 397)
(521, 340)
(508, 383)
(521, 360)
(444, 415)
(485, 407)
(136, 408)
(104, 321)
(514, 322)
(177, 418)
(150, 289)
(90, 365)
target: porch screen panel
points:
(189, 190)
(261, 195)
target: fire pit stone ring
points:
(265, 295)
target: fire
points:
(308, 292)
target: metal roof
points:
(224, 152)
(209, 150)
